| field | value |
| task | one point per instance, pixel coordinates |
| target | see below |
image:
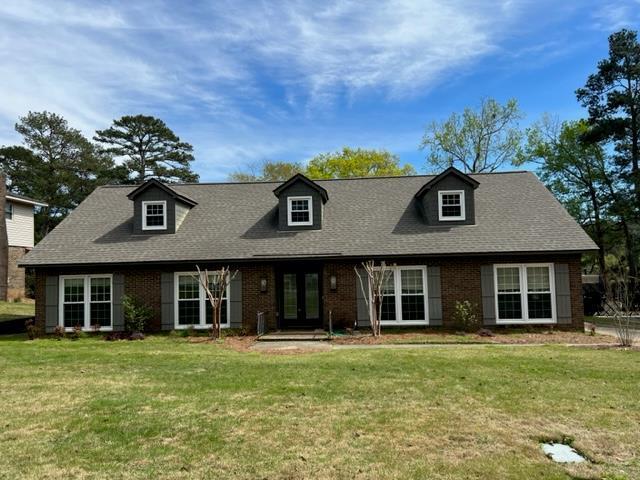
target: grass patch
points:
(13, 310)
(170, 409)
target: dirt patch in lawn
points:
(510, 337)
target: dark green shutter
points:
(167, 294)
(434, 296)
(118, 293)
(488, 295)
(51, 294)
(563, 294)
(362, 314)
(235, 304)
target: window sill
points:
(537, 321)
(403, 322)
(91, 329)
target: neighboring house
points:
(501, 241)
(18, 213)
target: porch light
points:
(333, 283)
(263, 285)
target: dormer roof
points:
(165, 188)
(451, 171)
(298, 177)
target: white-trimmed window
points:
(299, 211)
(192, 307)
(154, 215)
(85, 301)
(451, 205)
(8, 210)
(525, 293)
(404, 296)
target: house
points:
(18, 212)
(500, 240)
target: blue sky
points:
(250, 81)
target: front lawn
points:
(168, 408)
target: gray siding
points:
(488, 295)
(430, 202)
(118, 292)
(563, 293)
(235, 301)
(434, 296)
(167, 301)
(362, 314)
(51, 303)
(299, 189)
(154, 194)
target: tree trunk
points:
(4, 242)
(599, 234)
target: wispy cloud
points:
(611, 16)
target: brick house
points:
(18, 213)
(499, 240)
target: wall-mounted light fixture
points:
(333, 283)
(263, 285)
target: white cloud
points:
(612, 16)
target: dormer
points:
(448, 199)
(300, 204)
(157, 208)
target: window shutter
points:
(434, 296)
(51, 303)
(235, 300)
(563, 293)
(488, 295)
(117, 290)
(361, 305)
(167, 300)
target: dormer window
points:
(451, 205)
(154, 215)
(300, 211)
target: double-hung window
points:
(154, 215)
(85, 301)
(8, 210)
(299, 211)
(192, 306)
(525, 293)
(404, 296)
(451, 205)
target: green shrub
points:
(465, 316)
(136, 314)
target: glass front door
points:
(300, 299)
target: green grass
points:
(13, 310)
(165, 408)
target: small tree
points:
(136, 314)
(215, 284)
(620, 307)
(376, 278)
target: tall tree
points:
(479, 140)
(267, 172)
(612, 97)
(57, 165)
(576, 172)
(150, 149)
(357, 162)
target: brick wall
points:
(16, 275)
(460, 280)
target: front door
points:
(300, 299)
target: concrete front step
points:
(294, 336)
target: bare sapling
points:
(215, 285)
(375, 278)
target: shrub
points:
(76, 333)
(465, 316)
(136, 314)
(59, 332)
(32, 330)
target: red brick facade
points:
(460, 280)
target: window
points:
(85, 301)
(8, 210)
(192, 305)
(451, 205)
(525, 293)
(299, 211)
(154, 215)
(404, 299)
